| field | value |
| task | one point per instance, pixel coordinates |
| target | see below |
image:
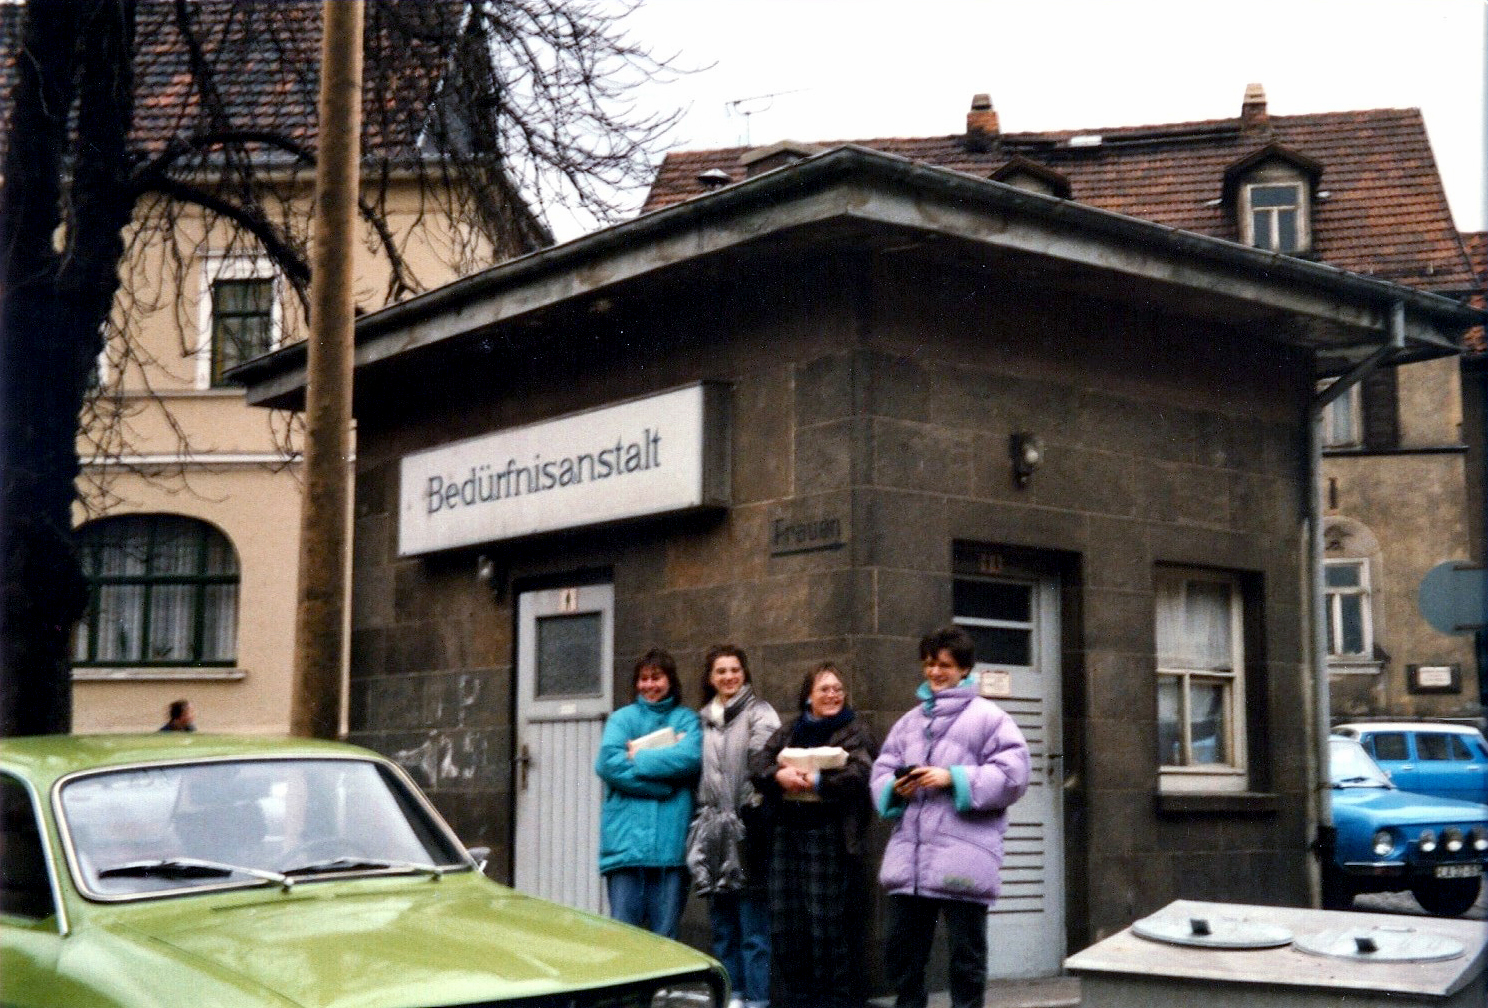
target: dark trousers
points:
(910, 929)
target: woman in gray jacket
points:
(727, 850)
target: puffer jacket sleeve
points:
(617, 770)
(763, 724)
(890, 758)
(676, 764)
(1000, 776)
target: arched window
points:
(165, 592)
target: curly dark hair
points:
(661, 659)
(716, 652)
(953, 639)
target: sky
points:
(846, 69)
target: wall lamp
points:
(1027, 451)
(490, 575)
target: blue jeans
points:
(741, 941)
(648, 897)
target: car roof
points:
(1377, 726)
(47, 757)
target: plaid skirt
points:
(816, 914)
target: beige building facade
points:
(190, 525)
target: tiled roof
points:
(265, 56)
(1385, 214)
(1477, 253)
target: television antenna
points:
(746, 107)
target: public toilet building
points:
(819, 412)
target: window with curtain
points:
(1200, 680)
(240, 314)
(1342, 419)
(242, 323)
(1346, 600)
(164, 592)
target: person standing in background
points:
(179, 717)
(946, 775)
(818, 887)
(648, 759)
(728, 846)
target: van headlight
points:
(1452, 839)
(1384, 842)
(1426, 841)
(687, 994)
(1479, 837)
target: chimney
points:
(1253, 118)
(981, 124)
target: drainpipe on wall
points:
(1320, 809)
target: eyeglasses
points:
(829, 690)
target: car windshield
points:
(1350, 766)
(245, 822)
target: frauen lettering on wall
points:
(486, 482)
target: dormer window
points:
(1276, 217)
(1270, 193)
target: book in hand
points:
(811, 760)
(818, 758)
(659, 739)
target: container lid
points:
(1382, 943)
(1221, 931)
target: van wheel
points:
(1447, 897)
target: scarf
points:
(811, 731)
(721, 715)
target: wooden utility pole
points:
(315, 709)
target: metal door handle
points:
(524, 763)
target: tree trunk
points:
(76, 58)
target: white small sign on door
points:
(996, 683)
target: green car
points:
(176, 869)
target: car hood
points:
(382, 944)
(1405, 808)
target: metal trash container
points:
(1228, 955)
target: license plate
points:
(1459, 870)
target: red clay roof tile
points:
(1385, 213)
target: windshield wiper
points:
(353, 864)
(191, 868)
(1345, 781)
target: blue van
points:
(1445, 760)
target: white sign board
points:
(657, 455)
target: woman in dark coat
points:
(817, 877)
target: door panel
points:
(1015, 624)
(565, 661)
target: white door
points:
(565, 657)
(1015, 622)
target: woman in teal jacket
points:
(648, 798)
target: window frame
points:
(1232, 775)
(58, 916)
(1333, 611)
(1299, 207)
(1351, 401)
(85, 647)
(230, 267)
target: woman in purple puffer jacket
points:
(946, 774)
